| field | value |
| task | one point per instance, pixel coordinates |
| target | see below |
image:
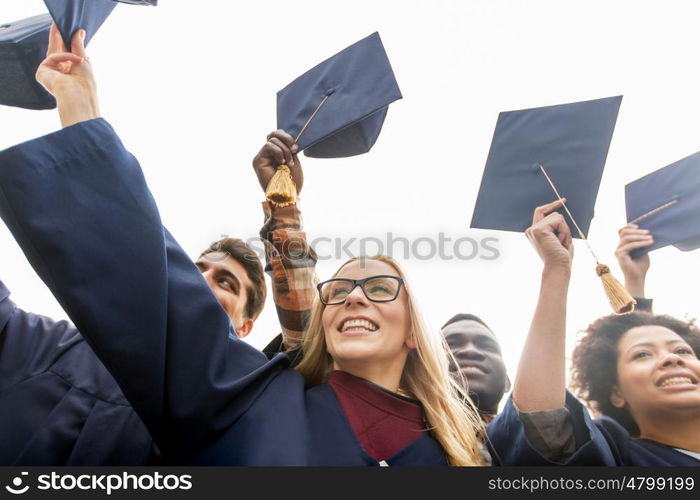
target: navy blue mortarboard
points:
(337, 109)
(72, 15)
(567, 143)
(667, 203)
(543, 154)
(23, 46)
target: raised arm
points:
(543, 424)
(78, 205)
(635, 270)
(540, 380)
(291, 262)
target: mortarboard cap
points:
(355, 86)
(72, 15)
(667, 203)
(570, 141)
(23, 46)
(542, 154)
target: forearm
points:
(67, 205)
(540, 381)
(635, 285)
(291, 264)
(78, 205)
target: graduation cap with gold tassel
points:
(336, 109)
(554, 150)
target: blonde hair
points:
(451, 416)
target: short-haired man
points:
(234, 274)
(60, 405)
(478, 356)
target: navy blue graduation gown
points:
(77, 203)
(598, 442)
(58, 403)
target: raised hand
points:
(635, 270)
(68, 77)
(540, 381)
(279, 149)
(551, 236)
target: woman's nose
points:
(672, 359)
(355, 296)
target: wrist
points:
(558, 273)
(635, 286)
(73, 110)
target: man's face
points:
(479, 358)
(229, 282)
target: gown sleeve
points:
(291, 264)
(508, 436)
(78, 204)
(29, 343)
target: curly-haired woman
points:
(640, 372)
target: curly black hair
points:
(594, 360)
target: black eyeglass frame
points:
(361, 284)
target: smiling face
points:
(479, 359)
(364, 336)
(229, 282)
(657, 372)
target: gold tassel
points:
(620, 299)
(282, 190)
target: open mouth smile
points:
(358, 325)
(677, 381)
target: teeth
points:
(676, 380)
(358, 324)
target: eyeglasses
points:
(380, 288)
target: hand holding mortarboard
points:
(23, 46)
(68, 77)
(551, 236)
(280, 149)
(337, 108)
(550, 151)
(634, 269)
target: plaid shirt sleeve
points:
(291, 264)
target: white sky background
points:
(190, 87)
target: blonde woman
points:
(366, 340)
(78, 204)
